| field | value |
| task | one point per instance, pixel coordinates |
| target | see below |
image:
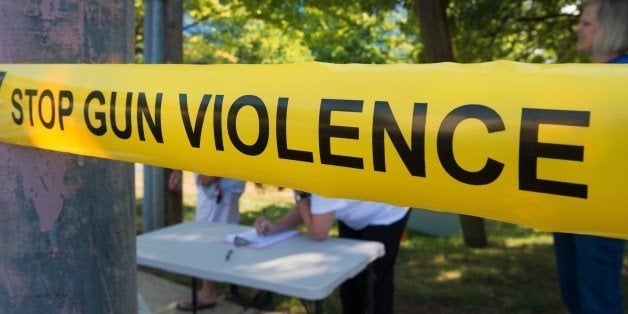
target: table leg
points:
(194, 301)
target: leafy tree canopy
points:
(529, 31)
(374, 31)
(288, 31)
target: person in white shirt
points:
(361, 220)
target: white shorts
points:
(208, 209)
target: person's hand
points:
(175, 179)
(206, 180)
(265, 227)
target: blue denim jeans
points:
(589, 272)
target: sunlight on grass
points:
(448, 275)
(536, 240)
(439, 259)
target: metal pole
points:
(67, 227)
(147, 35)
(154, 204)
(159, 197)
(158, 33)
(147, 204)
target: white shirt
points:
(357, 214)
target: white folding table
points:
(298, 267)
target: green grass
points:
(442, 275)
(516, 273)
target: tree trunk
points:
(437, 46)
(67, 227)
(473, 231)
(435, 35)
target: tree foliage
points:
(373, 31)
(288, 31)
(230, 33)
(528, 31)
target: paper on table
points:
(260, 242)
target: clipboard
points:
(260, 242)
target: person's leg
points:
(205, 211)
(205, 298)
(383, 267)
(565, 251)
(204, 204)
(350, 292)
(225, 210)
(599, 273)
(354, 292)
(207, 294)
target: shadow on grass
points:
(516, 273)
(442, 275)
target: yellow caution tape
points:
(544, 146)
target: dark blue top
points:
(620, 59)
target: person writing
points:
(360, 220)
(589, 267)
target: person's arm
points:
(292, 219)
(207, 180)
(175, 179)
(318, 225)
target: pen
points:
(228, 255)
